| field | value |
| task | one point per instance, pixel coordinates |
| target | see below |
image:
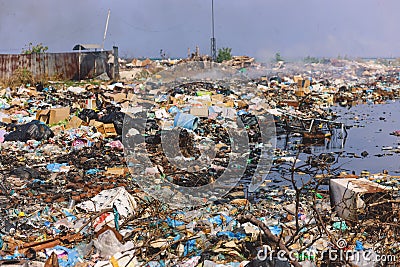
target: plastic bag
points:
(117, 118)
(88, 114)
(33, 130)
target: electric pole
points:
(213, 42)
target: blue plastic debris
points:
(177, 237)
(359, 245)
(228, 219)
(92, 171)
(161, 98)
(55, 167)
(275, 229)
(231, 234)
(216, 220)
(155, 264)
(174, 110)
(116, 217)
(242, 112)
(62, 252)
(340, 226)
(186, 121)
(69, 215)
(37, 181)
(174, 223)
(16, 255)
(219, 219)
(189, 247)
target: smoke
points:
(257, 28)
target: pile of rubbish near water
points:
(70, 188)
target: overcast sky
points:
(259, 28)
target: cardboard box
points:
(52, 116)
(119, 97)
(6, 120)
(300, 93)
(199, 111)
(98, 125)
(109, 130)
(116, 171)
(57, 129)
(241, 104)
(166, 124)
(130, 97)
(125, 104)
(74, 123)
(297, 78)
(16, 102)
(217, 98)
(290, 102)
(32, 92)
(205, 103)
(303, 83)
(173, 100)
(229, 104)
(91, 103)
(95, 123)
(350, 196)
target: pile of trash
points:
(96, 175)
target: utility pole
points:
(213, 42)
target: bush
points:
(35, 49)
(21, 76)
(278, 57)
(224, 54)
(309, 59)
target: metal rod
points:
(105, 30)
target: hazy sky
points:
(259, 28)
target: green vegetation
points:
(309, 59)
(34, 49)
(278, 57)
(224, 54)
(21, 76)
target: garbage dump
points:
(202, 165)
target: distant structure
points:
(163, 55)
(94, 47)
(213, 41)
